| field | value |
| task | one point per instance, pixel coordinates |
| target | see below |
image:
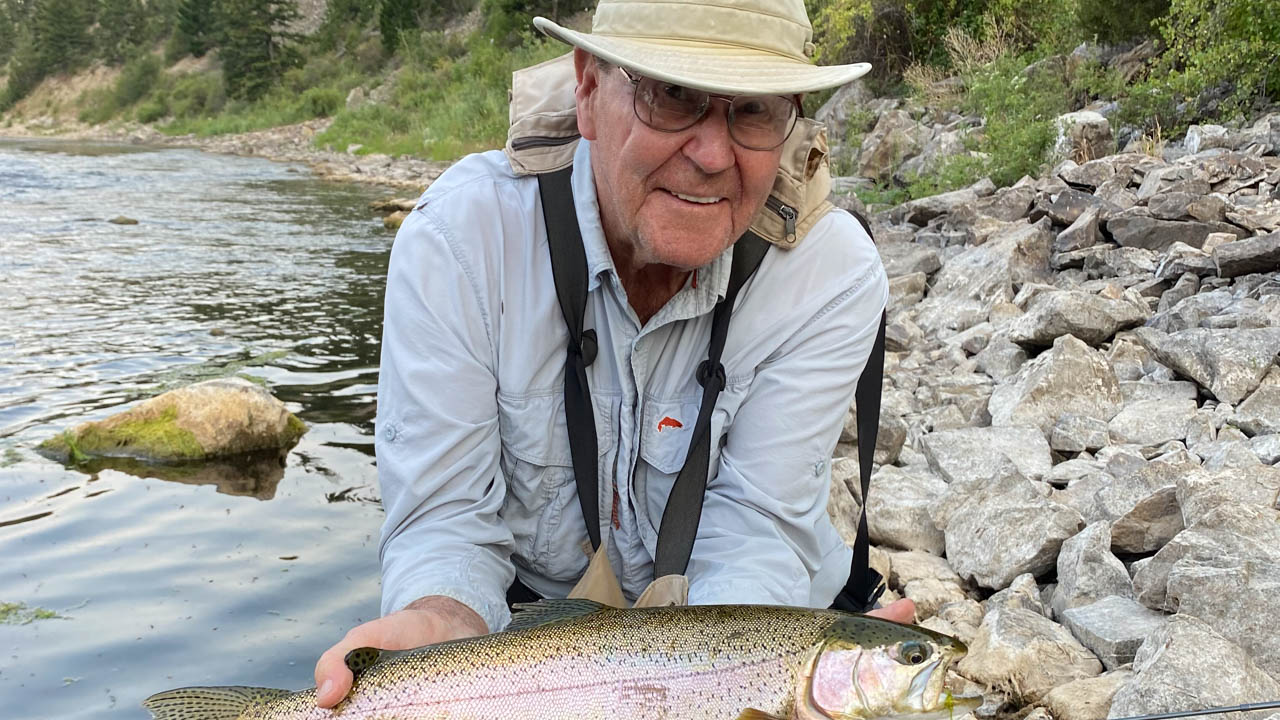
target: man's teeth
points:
(696, 199)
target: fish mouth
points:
(951, 707)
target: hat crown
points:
(780, 27)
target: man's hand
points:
(424, 621)
(899, 611)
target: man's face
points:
(676, 199)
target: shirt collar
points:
(704, 287)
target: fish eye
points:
(913, 653)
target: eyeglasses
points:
(756, 122)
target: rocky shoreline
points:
(290, 143)
(1080, 427)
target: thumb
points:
(899, 611)
(333, 679)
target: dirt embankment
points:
(53, 108)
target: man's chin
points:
(686, 250)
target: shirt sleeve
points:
(437, 438)
(764, 535)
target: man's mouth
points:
(700, 200)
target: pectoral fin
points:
(754, 714)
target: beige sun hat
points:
(735, 47)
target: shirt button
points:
(390, 432)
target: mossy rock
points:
(215, 418)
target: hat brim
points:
(723, 69)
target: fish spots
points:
(669, 423)
(646, 698)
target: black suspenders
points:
(684, 505)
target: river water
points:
(235, 577)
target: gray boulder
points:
(1088, 317)
(966, 454)
(908, 258)
(1087, 698)
(1025, 655)
(1186, 665)
(1078, 433)
(211, 419)
(1088, 572)
(898, 513)
(1230, 535)
(1150, 525)
(1113, 628)
(896, 137)
(1230, 363)
(1137, 231)
(999, 528)
(1069, 378)
(1152, 422)
(965, 290)
(1259, 414)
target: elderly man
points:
(683, 109)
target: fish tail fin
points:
(208, 703)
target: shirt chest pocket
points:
(541, 507)
(667, 430)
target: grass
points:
(20, 614)
(446, 102)
(10, 457)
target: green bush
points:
(510, 21)
(1222, 56)
(1113, 22)
(137, 79)
(197, 94)
(320, 102)
(152, 110)
(892, 35)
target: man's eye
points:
(675, 92)
(752, 108)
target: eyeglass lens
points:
(755, 122)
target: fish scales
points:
(710, 664)
(577, 659)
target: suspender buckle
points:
(707, 374)
(587, 348)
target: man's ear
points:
(584, 67)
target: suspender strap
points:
(865, 585)
(569, 267)
(684, 505)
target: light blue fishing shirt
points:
(472, 446)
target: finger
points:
(333, 679)
(899, 611)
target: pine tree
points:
(25, 71)
(8, 34)
(61, 34)
(256, 46)
(121, 27)
(394, 17)
(197, 26)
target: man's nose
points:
(711, 147)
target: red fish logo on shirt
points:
(669, 422)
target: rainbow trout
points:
(578, 659)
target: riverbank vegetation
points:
(429, 78)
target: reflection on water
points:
(170, 575)
(253, 475)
